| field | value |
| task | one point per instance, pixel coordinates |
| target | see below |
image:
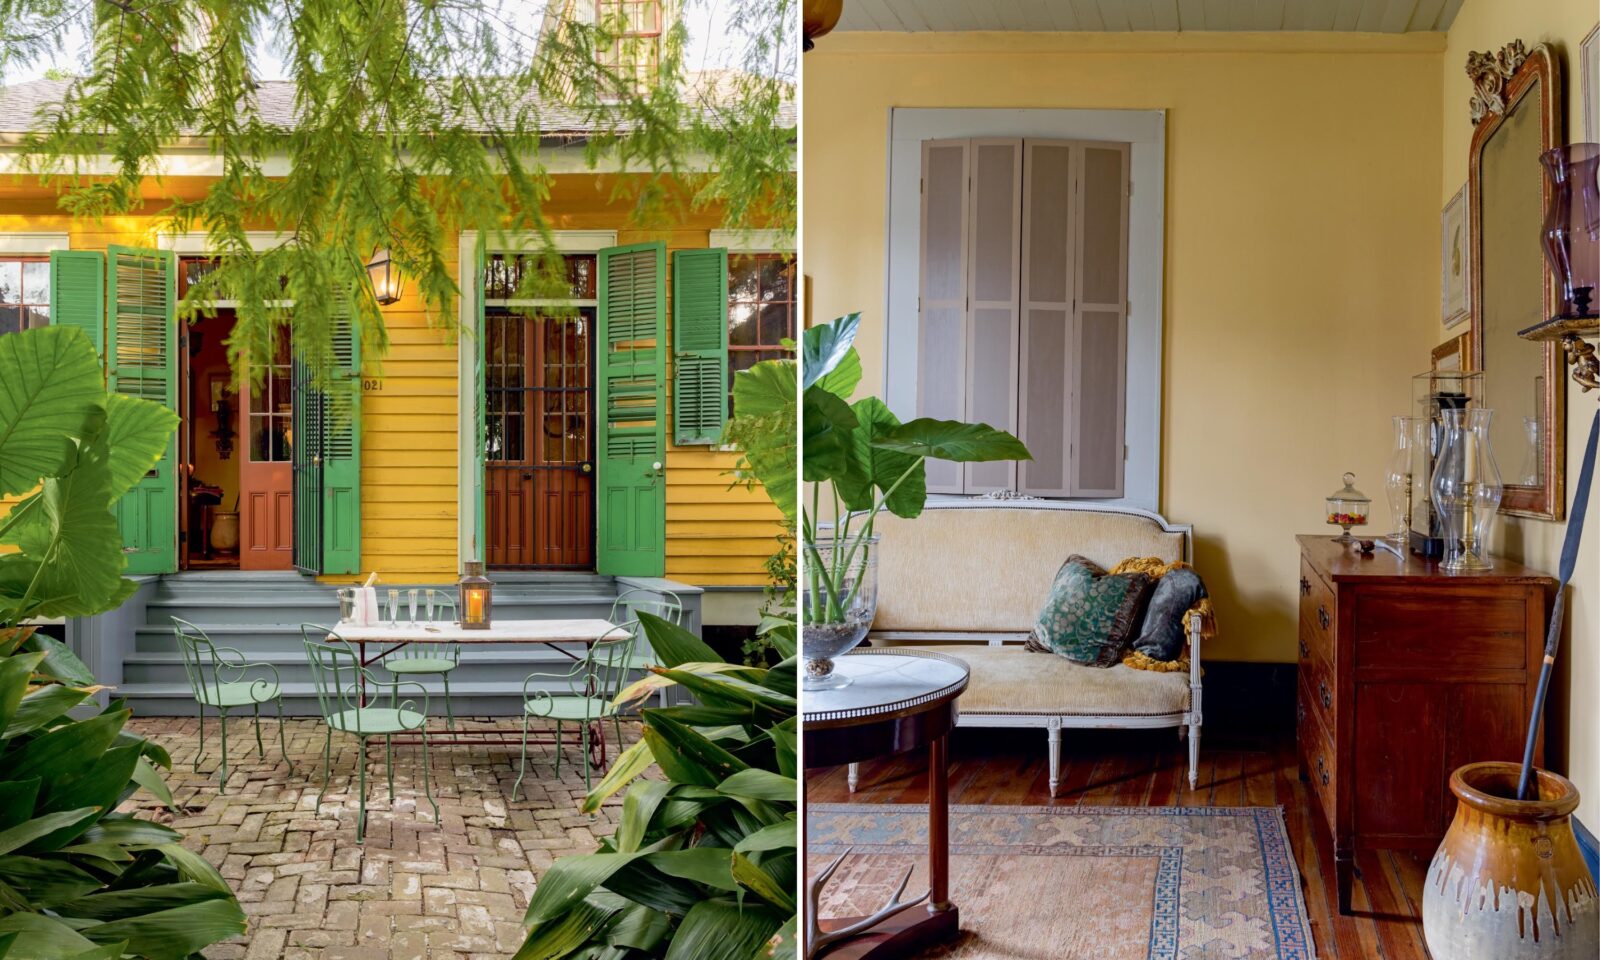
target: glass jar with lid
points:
(1348, 507)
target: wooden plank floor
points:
(1149, 768)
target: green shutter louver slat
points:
(307, 470)
(699, 344)
(141, 358)
(630, 500)
(78, 293)
(341, 450)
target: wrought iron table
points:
(390, 637)
(896, 701)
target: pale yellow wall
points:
(1301, 255)
(1489, 25)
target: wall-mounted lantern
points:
(387, 283)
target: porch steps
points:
(260, 615)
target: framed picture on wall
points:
(1455, 256)
(1453, 354)
(1589, 66)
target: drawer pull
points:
(1322, 617)
(1326, 697)
(1299, 712)
(1305, 587)
(1305, 651)
(1322, 771)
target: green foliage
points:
(412, 121)
(763, 428)
(61, 433)
(76, 878)
(866, 460)
(704, 864)
(777, 605)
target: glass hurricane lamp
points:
(1466, 489)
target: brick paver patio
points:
(414, 889)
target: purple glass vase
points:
(1572, 226)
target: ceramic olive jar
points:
(1509, 882)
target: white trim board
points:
(199, 243)
(753, 241)
(33, 243)
(1146, 131)
(567, 241)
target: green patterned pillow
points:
(1091, 615)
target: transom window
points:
(24, 293)
(761, 309)
(503, 275)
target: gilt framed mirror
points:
(1519, 113)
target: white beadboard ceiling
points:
(1360, 16)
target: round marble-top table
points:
(896, 701)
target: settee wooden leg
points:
(1194, 756)
(853, 776)
(1055, 756)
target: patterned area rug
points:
(1070, 883)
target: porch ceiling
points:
(1356, 16)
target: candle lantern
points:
(1435, 394)
(476, 596)
(387, 284)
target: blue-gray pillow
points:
(1162, 635)
(1090, 615)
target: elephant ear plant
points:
(78, 879)
(863, 460)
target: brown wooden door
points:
(539, 464)
(266, 469)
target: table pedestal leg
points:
(911, 933)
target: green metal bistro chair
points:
(624, 613)
(592, 684)
(220, 678)
(342, 685)
(429, 659)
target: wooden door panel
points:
(266, 467)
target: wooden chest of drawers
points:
(1405, 673)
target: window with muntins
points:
(1023, 308)
(24, 293)
(634, 30)
(761, 308)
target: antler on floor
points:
(816, 939)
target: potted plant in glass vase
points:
(860, 461)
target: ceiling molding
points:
(1163, 16)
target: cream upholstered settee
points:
(968, 578)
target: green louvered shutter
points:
(699, 345)
(631, 402)
(308, 405)
(78, 293)
(341, 453)
(141, 354)
(478, 453)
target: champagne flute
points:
(411, 602)
(394, 607)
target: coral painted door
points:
(266, 471)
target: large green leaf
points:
(768, 387)
(765, 402)
(121, 904)
(46, 883)
(775, 837)
(71, 561)
(14, 674)
(42, 707)
(774, 890)
(177, 933)
(52, 382)
(564, 935)
(570, 880)
(25, 833)
(639, 810)
(730, 691)
(685, 755)
(59, 661)
(758, 784)
(43, 938)
(137, 434)
(723, 930)
(887, 470)
(197, 868)
(824, 348)
(673, 645)
(711, 866)
(632, 762)
(66, 751)
(952, 440)
(827, 425)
